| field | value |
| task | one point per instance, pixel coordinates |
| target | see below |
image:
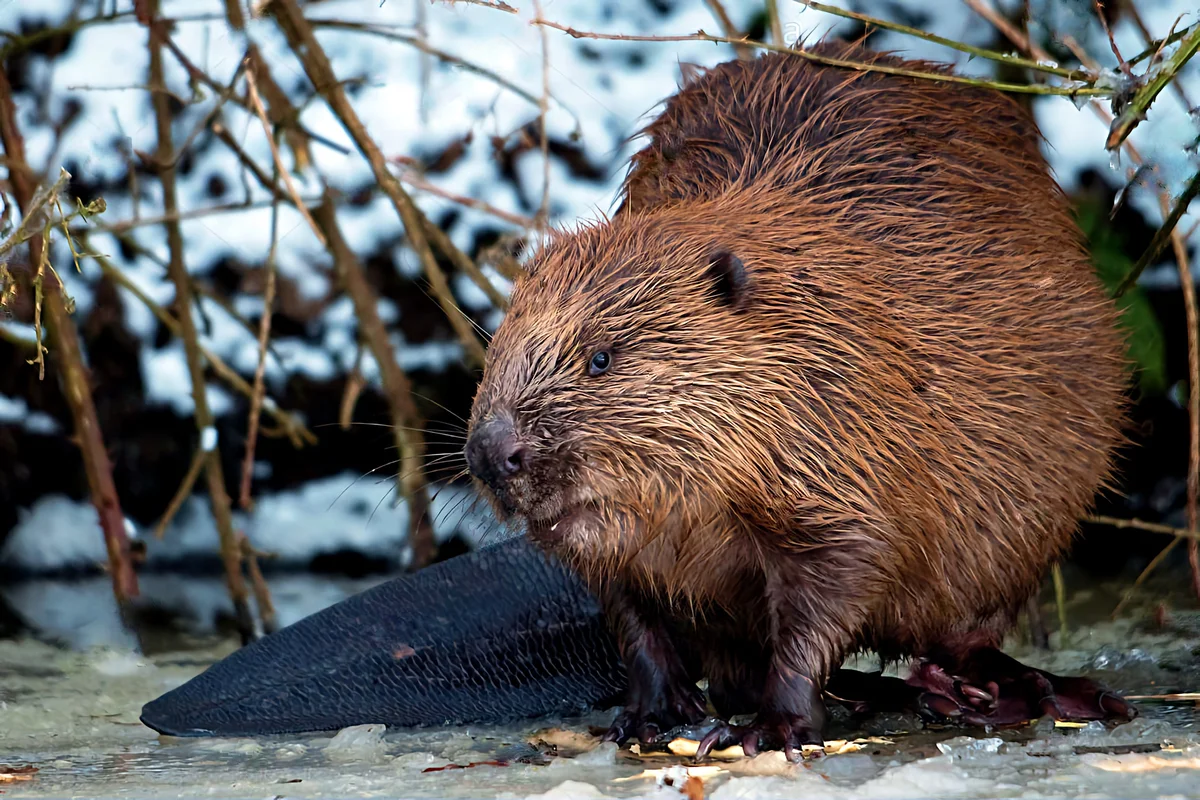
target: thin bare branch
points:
(406, 419)
(983, 8)
(231, 554)
(281, 170)
(259, 388)
(316, 63)
(1082, 90)
(68, 352)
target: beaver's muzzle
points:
(495, 455)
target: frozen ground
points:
(73, 716)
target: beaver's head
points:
(611, 386)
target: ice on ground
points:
(73, 716)
(357, 743)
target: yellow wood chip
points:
(688, 747)
(1058, 723)
(703, 773)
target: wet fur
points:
(884, 438)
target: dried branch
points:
(291, 426)
(543, 212)
(199, 458)
(1137, 524)
(1039, 65)
(273, 93)
(260, 371)
(385, 32)
(1188, 286)
(774, 23)
(731, 30)
(234, 15)
(417, 182)
(1132, 10)
(72, 371)
(281, 170)
(19, 44)
(1134, 111)
(125, 226)
(231, 554)
(1112, 43)
(258, 584)
(406, 419)
(1083, 90)
(1163, 235)
(497, 5)
(316, 64)
(1060, 602)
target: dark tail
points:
(498, 634)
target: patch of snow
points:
(55, 533)
(15, 411)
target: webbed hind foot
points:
(987, 687)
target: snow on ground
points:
(603, 92)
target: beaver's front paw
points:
(770, 730)
(679, 706)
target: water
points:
(72, 715)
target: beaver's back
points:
(988, 393)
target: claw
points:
(990, 688)
(1116, 707)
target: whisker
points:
(439, 405)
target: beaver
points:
(837, 375)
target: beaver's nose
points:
(494, 454)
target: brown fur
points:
(888, 435)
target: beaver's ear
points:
(728, 276)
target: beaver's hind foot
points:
(987, 687)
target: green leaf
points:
(1147, 348)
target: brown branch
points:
(1112, 42)
(182, 493)
(1193, 338)
(498, 5)
(1149, 527)
(776, 25)
(68, 357)
(417, 42)
(543, 212)
(283, 114)
(304, 44)
(262, 593)
(125, 226)
(231, 554)
(256, 103)
(985, 9)
(259, 388)
(406, 419)
(292, 427)
(437, 236)
(1083, 90)
(417, 182)
(273, 93)
(234, 15)
(731, 30)
(1144, 574)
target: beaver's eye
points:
(601, 361)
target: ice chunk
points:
(569, 790)
(357, 743)
(966, 746)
